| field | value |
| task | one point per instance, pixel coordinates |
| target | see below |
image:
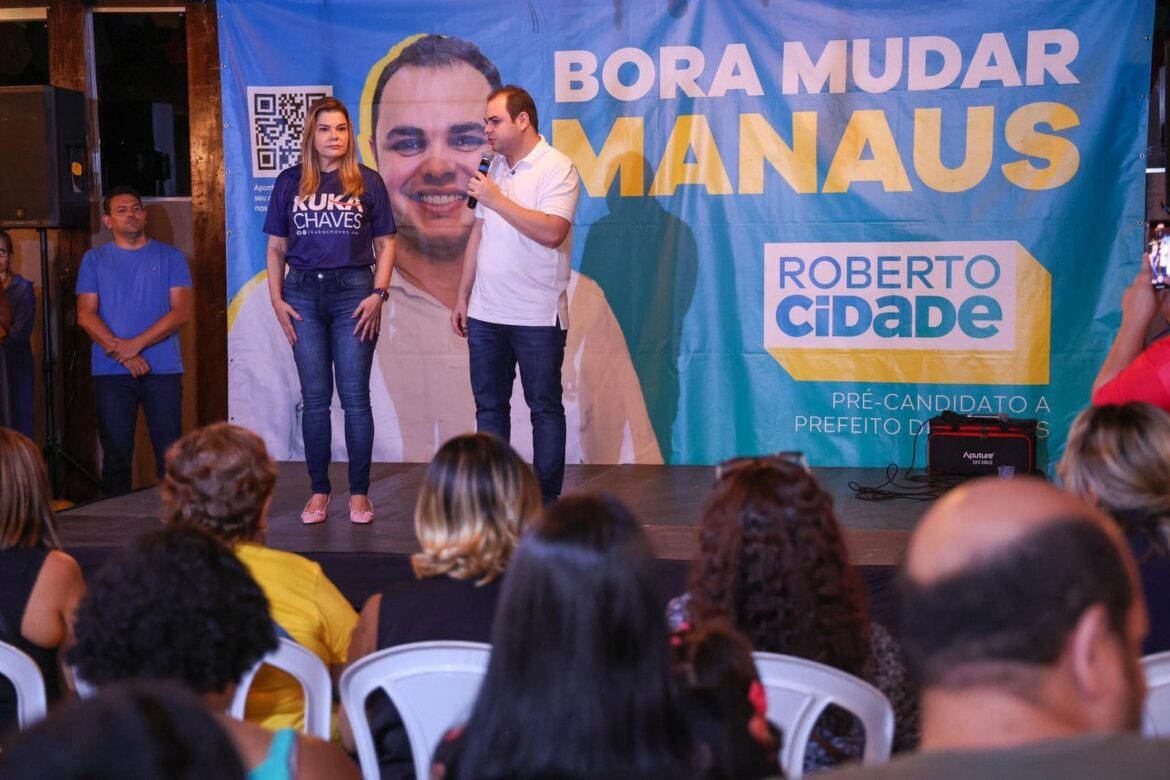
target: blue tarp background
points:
(686, 273)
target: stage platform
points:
(362, 559)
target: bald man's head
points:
(975, 520)
(1000, 572)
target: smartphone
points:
(1160, 263)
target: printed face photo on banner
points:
(428, 140)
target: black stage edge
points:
(363, 559)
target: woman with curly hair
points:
(772, 562)
(177, 605)
(1118, 458)
(40, 584)
(475, 499)
(220, 478)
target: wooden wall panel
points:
(209, 268)
(68, 67)
(69, 61)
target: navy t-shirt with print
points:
(328, 230)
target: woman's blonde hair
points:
(218, 478)
(26, 508)
(1119, 458)
(351, 172)
(477, 496)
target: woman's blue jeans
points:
(327, 348)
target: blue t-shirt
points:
(327, 230)
(134, 292)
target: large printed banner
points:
(809, 224)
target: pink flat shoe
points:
(317, 515)
(362, 518)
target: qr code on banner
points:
(277, 118)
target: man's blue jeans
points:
(117, 398)
(495, 351)
(326, 348)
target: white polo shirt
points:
(518, 281)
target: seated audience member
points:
(39, 584)
(177, 605)
(475, 498)
(772, 562)
(1133, 371)
(6, 420)
(220, 478)
(1023, 621)
(727, 702)
(5, 315)
(1118, 457)
(134, 731)
(16, 349)
(579, 683)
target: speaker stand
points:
(55, 452)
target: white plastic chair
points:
(25, 675)
(433, 686)
(799, 690)
(309, 670)
(290, 657)
(1156, 712)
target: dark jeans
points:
(327, 348)
(495, 351)
(117, 398)
(19, 359)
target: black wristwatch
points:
(381, 292)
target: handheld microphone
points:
(485, 162)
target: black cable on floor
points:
(925, 487)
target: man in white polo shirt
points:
(511, 304)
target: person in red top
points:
(1133, 371)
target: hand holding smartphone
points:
(1159, 254)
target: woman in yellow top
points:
(221, 478)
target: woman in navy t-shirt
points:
(329, 221)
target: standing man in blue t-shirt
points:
(133, 295)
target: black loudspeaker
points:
(45, 168)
